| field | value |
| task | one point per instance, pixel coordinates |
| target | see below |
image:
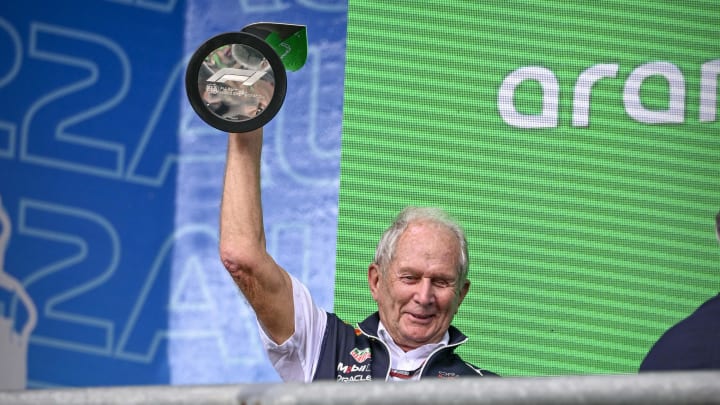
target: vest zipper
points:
(436, 351)
(425, 364)
(387, 350)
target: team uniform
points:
(323, 347)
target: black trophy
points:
(236, 81)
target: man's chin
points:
(418, 337)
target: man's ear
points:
(463, 292)
(374, 279)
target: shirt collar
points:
(413, 358)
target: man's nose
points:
(425, 294)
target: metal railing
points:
(652, 388)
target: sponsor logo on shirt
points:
(354, 368)
(360, 355)
(353, 372)
(354, 378)
(446, 374)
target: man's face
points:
(419, 294)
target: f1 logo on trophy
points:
(236, 81)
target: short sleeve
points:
(296, 359)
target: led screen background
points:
(590, 223)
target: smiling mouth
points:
(421, 317)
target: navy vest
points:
(357, 354)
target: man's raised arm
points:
(266, 286)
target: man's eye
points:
(442, 283)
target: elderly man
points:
(418, 279)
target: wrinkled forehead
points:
(429, 243)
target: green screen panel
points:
(575, 144)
